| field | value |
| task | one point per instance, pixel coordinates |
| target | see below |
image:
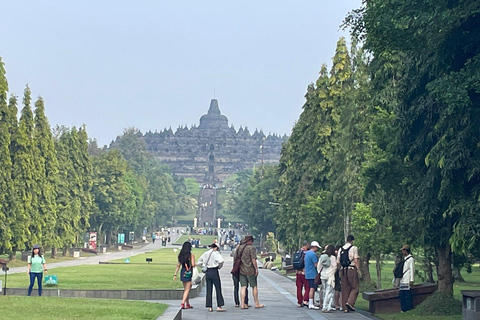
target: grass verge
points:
(43, 308)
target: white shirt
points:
(408, 269)
(352, 253)
(214, 261)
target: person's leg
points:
(324, 295)
(408, 300)
(39, 282)
(236, 287)
(243, 290)
(299, 284)
(208, 301)
(218, 289)
(329, 297)
(345, 288)
(307, 290)
(354, 287)
(32, 281)
(246, 296)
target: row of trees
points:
(387, 144)
(55, 184)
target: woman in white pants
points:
(329, 266)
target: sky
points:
(157, 64)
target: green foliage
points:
(439, 304)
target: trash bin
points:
(76, 253)
(25, 255)
(103, 248)
(471, 304)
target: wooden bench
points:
(387, 301)
(289, 269)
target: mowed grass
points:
(49, 308)
(137, 274)
(19, 263)
(204, 240)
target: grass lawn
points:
(157, 275)
(204, 240)
(43, 308)
(19, 263)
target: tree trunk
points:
(378, 265)
(444, 269)
(13, 255)
(365, 268)
(457, 275)
(54, 253)
(429, 269)
(65, 252)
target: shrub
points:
(439, 304)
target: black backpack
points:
(344, 259)
(298, 262)
(398, 271)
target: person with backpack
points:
(349, 264)
(406, 283)
(300, 281)
(236, 281)
(311, 261)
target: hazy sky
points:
(155, 64)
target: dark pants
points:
(213, 279)
(406, 299)
(236, 287)
(39, 277)
(350, 287)
(301, 282)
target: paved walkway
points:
(277, 292)
(109, 256)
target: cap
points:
(36, 246)
(405, 246)
(315, 244)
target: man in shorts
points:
(248, 271)
(311, 261)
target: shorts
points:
(311, 283)
(248, 280)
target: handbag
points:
(236, 266)
(318, 278)
(205, 268)
(196, 276)
(188, 272)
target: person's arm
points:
(253, 256)
(192, 259)
(200, 261)
(356, 260)
(412, 272)
(220, 260)
(44, 265)
(176, 271)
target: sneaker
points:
(314, 308)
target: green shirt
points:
(36, 263)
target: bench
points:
(289, 269)
(387, 301)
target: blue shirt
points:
(310, 260)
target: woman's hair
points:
(330, 250)
(39, 252)
(185, 253)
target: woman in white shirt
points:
(328, 267)
(212, 259)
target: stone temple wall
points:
(213, 151)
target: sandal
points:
(210, 309)
(188, 306)
(183, 306)
(221, 309)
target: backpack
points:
(298, 262)
(398, 271)
(344, 259)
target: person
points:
(236, 281)
(349, 263)
(186, 261)
(338, 283)
(311, 261)
(328, 262)
(36, 267)
(153, 237)
(248, 271)
(301, 282)
(212, 259)
(407, 280)
(268, 264)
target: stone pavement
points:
(277, 292)
(109, 256)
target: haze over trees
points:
(55, 185)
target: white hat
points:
(315, 244)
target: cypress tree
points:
(28, 225)
(47, 166)
(6, 167)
